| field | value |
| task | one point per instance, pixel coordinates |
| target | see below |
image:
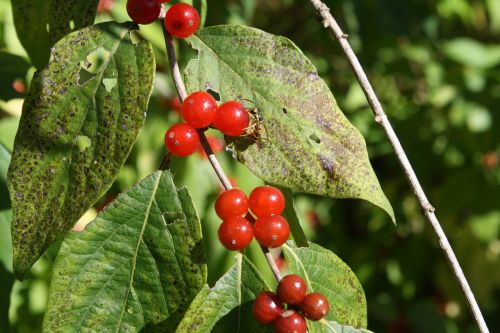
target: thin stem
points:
(381, 118)
(181, 91)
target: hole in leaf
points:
(95, 60)
(315, 138)
(109, 84)
(215, 94)
(285, 111)
(83, 142)
(84, 76)
(47, 27)
(173, 217)
(72, 24)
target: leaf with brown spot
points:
(306, 144)
(41, 23)
(52, 180)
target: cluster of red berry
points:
(181, 20)
(266, 203)
(199, 110)
(269, 308)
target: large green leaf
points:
(76, 131)
(140, 261)
(41, 23)
(326, 273)
(228, 305)
(306, 143)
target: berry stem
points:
(181, 91)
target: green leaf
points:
(41, 23)
(52, 179)
(5, 240)
(470, 52)
(306, 143)
(326, 273)
(230, 301)
(140, 261)
(299, 237)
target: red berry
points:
(232, 118)
(181, 139)
(266, 200)
(143, 11)
(314, 306)
(182, 20)
(271, 230)
(231, 203)
(163, 1)
(235, 233)
(292, 289)
(290, 322)
(267, 308)
(199, 109)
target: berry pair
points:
(181, 20)
(269, 308)
(266, 202)
(199, 110)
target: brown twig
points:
(181, 91)
(381, 118)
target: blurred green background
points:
(436, 68)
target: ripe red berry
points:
(143, 11)
(182, 20)
(267, 308)
(199, 109)
(290, 322)
(231, 203)
(292, 289)
(232, 118)
(235, 233)
(181, 139)
(314, 306)
(271, 230)
(266, 200)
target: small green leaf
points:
(326, 273)
(230, 301)
(41, 23)
(52, 180)
(307, 144)
(140, 261)
(470, 52)
(299, 237)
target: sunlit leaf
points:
(306, 143)
(140, 261)
(53, 179)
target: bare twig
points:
(181, 91)
(381, 118)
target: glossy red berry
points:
(290, 321)
(231, 203)
(267, 308)
(232, 118)
(271, 230)
(292, 289)
(314, 306)
(182, 20)
(199, 109)
(143, 11)
(181, 139)
(266, 200)
(235, 233)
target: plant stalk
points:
(382, 119)
(181, 91)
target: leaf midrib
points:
(132, 274)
